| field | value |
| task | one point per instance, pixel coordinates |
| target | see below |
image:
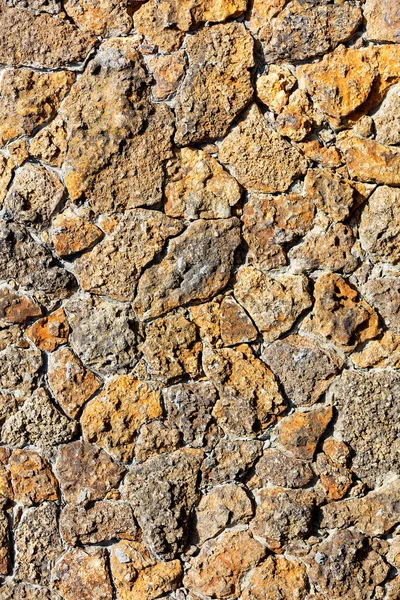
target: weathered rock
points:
(330, 193)
(277, 578)
(328, 157)
(50, 332)
(300, 432)
(272, 221)
(6, 172)
(383, 20)
(102, 333)
(380, 353)
(231, 460)
(189, 408)
(196, 267)
(31, 264)
(218, 569)
(305, 28)
(273, 302)
(346, 565)
(38, 422)
(282, 516)
(42, 41)
(19, 371)
(368, 160)
(279, 469)
(70, 234)
(102, 522)
(303, 367)
(171, 349)
(339, 315)
(375, 514)
(50, 143)
(249, 398)
(224, 506)
(198, 187)
(162, 505)
(236, 325)
(138, 575)
(298, 117)
(70, 381)
(168, 71)
(335, 478)
(260, 159)
(86, 473)
(102, 17)
(24, 591)
(28, 98)
(155, 438)
(387, 119)
(330, 250)
(165, 23)
(380, 225)
(207, 317)
(37, 543)
(5, 555)
(32, 478)
(357, 396)
(113, 418)
(274, 87)
(133, 239)
(220, 59)
(53, 7)
(83, 574)
(383, 293)
(16, 307)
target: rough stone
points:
(70, 381)
(220, 59)
(32, 478)
(380, 225)
(198, 187)
(224, 506)
(277, 578)
(383, 20)
(162, 505)
(103, 522)
(103, 334)
(165, 23)
(53, 7)
(273, 302)
(270, 222)
(387, 119)
(23, 591)
(189, 408)
(280, 469)
(231, 460)
(370, 161)
(28, 98)
(331, 250)
(303, 366)
(114, 417)
(70, 234)
(298, 117)
(339, 315)
(331, 194)
(381, 353)
(300, 432)
(138, 575)
(168, 71)
(304, 29)
(41, 41)
(37, 543)
(383, 293)
(50, 332)
(6, 173)
(83, 573)
(335, 478)
(196, 267)
(217, 570)
(38, 422)
(259, 158)
(132, 240)
(50, 143)
(102, 17)
(274, 87)
(155, 438)
(236, 325)
(5, 556)
(356, 396)
(249, 398)
(86, 473)
(19, 371)
(16, 307)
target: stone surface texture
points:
(199, 300)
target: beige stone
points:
(83, 573)
(333, 195)
(280, 469)
(32, 478)
(383, 20)
(50, 332)
(168, 71)
(50, 143)
(277, 578)
(16, 307)
(380, 225)
(300, 432)
(370, 161)
(381, 353)
(71, 234)
(274, 87)
(100, 17)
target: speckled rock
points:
(102, 17)
(231, 460)
(83, 574)
(236, 325)
(260, 159)
(273, 302)
(50, 332)
(156, 438)
(299, 433)
(331, 194)
(168, 71)
(383, 293)
(386, 118)
(198, 187)
(380, 353)
(162, 505)
(220, 59)
(5, 557)
(70, 234)
(380, 225)
(383, 20)
(277, 579)
(32, 478)
(368, 160)
(113, 418)
(19, 371)
(197, 266)
(85, 472)
(281, 469)
(303, 366)
(17, 308)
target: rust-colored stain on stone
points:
(199, 300)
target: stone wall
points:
(199, 300)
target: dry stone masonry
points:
(199, 300)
